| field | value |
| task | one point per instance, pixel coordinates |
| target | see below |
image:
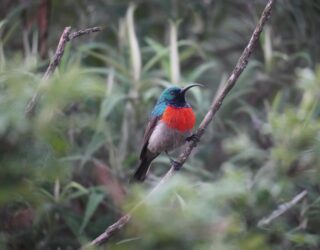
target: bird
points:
(170, 126)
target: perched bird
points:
(170, 125)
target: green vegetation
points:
(64, 172)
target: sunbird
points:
(169, 127)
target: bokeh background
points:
(64, 172)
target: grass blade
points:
(134, 45)
(174, 54)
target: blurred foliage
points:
(64, 172)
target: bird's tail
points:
(142, 170)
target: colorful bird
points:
(170, 125)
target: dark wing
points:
(147, 133)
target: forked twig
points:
(65, 37)
(217, 102)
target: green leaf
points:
(134, 45)
(96, 142)
(95, 199)
(109, 104)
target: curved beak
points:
(185, 89)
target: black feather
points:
(142, 171)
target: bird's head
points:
(175, 95)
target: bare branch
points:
(65, 37)
(282, 209)
(110, 230)
(217, 102)
(83, 32)
(59, 53)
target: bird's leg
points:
(176, 165)
(194, 137)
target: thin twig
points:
(65, 37)
(76, 34)
(111, 230)
(240, 66)
(282, 209)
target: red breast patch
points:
(182, 119)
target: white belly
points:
(166, 139)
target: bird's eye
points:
(172, 92)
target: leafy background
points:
(64, 173)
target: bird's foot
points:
(194, 137)
(176, 165)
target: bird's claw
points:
(195, 138)
(176, 165)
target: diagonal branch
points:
(65, 37)
(215, 106)
(281, 209)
